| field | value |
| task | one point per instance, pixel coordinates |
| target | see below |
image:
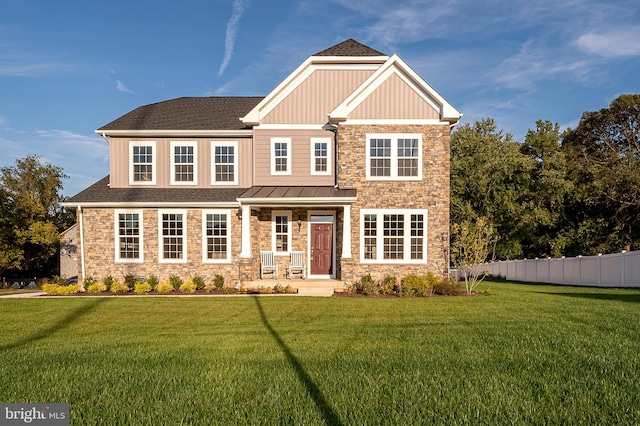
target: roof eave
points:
(176, 132)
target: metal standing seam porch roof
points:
(307, 195)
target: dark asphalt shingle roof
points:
(100, 192)
(350, 47)
(188, 113)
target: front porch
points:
(308, 287)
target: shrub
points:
(175, 281)
(130, 280)
(416, 285)
(368, 285)
(152, 281)
(88, 281)
(107, 281)
(96, 288)
(188, 287)
(198, 281)
(210, 288)
(449, 287)
(280, 289)
(142, 288)
(61, 290)
(218, 281)
(164, 287)
(119, 288)
(57, 279)
(389, 284)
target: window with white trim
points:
(129, 236)
(281, 232)
(393, 235)
(320, 156)
(172, 231)
(394, 156)
(280, 156)
(224, 164)
(216, 229)
(184, 160)
(142, 163)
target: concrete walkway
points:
(23, 295)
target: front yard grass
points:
(525, 354)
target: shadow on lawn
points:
(629, 298)
(330, 416)
(63, 323)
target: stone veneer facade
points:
(431, 193)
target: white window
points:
(281, 232)
(216, 229)
(320, 156)
(172, 232)
(129, 236)
(394, 157)
(393, 236)
(280, 156)
(142, 163)
(224, 163)
(184, 160)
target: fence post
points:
(599, 269)
(563, 258)
(580, 270)
(623, 277)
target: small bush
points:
(449, 287)
(351, 288)
(57, 279)
(175, 281)
(198, 281)
(416, 285)
(119, 288)
(130, 280)
(389, 285)
(164, 287)
(218, 281)
(280, 289)
(188, 287)
(152, 281)
(61, 290)
(107, 281)
(210, 288)
(368, 286)
(88, 281)
(96, 288)
(141, 288)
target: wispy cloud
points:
(612, 44)
(121, 87)
(232, 29)
(17, 62)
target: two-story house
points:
(346, 159)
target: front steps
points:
(307, 287)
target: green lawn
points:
(525, 354)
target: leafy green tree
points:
(30, 214)
(471, 246)
(603, 155)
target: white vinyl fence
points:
(608, 270)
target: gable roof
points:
(349, 47)
(186, 113)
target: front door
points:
(321, 248)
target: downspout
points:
(82, 264)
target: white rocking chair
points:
(297, 265)
(268, 265)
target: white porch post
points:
(346, 232)
(245, 251)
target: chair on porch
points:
(297, 266)
(268, 265)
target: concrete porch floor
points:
(306, 287)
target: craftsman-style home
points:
(345, 163)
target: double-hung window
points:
(129, 236)
(280, 156)
(394, 156)
(393, 235)
(216, 229)
(224, 164)
(320, 156)
(184, 161)
(172, 231)
(281, 232)
(142, 163)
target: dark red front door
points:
(321, 248)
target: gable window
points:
(394, 157)
(224, 164)
(320, 156)
(280, 156)
(172, 232)
(184, 161)
(142, 157)
(281, 232)
(393, 236)
(217, 236)
(128, 236)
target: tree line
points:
(554, 194)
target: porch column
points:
(245, 251)
(346, 232)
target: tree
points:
(472, 244)
(30, 214)
(603, 155)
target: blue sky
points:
(69, 67)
